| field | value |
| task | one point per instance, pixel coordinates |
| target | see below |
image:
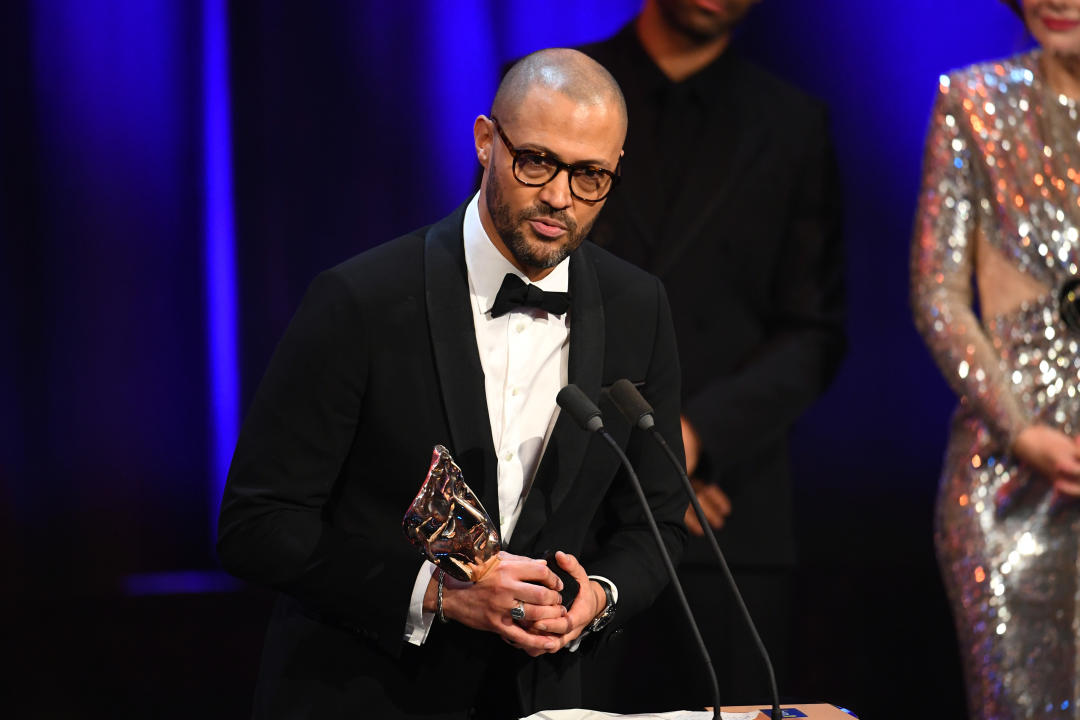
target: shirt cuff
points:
(573, 646)
(614, 589)
(418, 623)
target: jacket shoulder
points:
(383, 267)
(620, 279)
(1015, 76)
(777, 93)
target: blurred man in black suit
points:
(730, 196)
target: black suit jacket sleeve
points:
(293, 443)
(740, 414)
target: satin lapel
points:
(732, 144)
(565, 451)
(457, 360)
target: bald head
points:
(562, 70)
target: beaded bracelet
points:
(438, 598)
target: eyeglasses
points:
(534, 168)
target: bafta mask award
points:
(447, 523)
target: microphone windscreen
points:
(631, 404)
(581, 408)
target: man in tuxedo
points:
(461, 334)
(731, 199)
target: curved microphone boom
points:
(584, 411)
(639, 413)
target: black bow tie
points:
(514, 293)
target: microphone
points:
(585, 413)
(573, 400)
(639, 413)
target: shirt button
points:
(508, 456)
(520, 327)
(515, 392)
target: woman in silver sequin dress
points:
(1000, 203)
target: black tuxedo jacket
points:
(378, 365)
(752, 259)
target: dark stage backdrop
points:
(174, 174)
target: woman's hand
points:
(1053, 454)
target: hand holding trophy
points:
(488, 588)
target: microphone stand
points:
(670, 568)
(777, 713)
(640, 414)
(572, 399)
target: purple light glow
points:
(180, 582)
(220, 252)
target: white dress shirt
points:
(524, 355)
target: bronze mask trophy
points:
(447, 523)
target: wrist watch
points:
(607, 613)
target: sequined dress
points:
(1000, 203)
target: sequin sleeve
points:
(942, 259)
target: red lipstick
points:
(1059, 24)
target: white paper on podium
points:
(579, 714)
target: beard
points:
(699, 26)
(536, 253)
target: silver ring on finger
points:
(518, 612)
